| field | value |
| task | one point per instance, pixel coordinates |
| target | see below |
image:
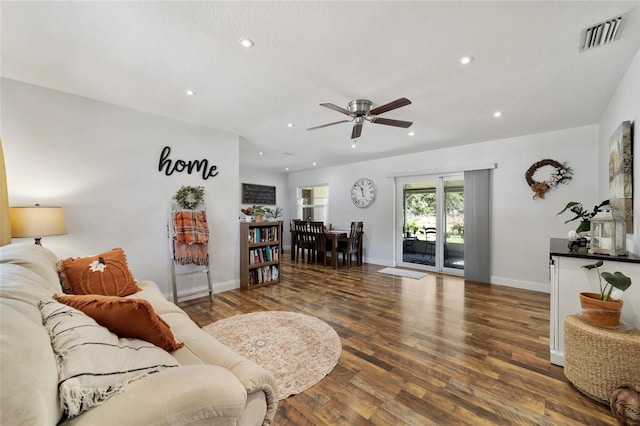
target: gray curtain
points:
(477, 220)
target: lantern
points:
(608, 233)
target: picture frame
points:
(258, 194)
(621, 173)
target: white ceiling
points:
(144, 55)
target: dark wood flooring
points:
(434, 351)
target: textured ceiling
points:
(144, 55)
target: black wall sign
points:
(169, 166)
(258, 194)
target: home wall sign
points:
(258, 194)
(169, 166)
(621, 173)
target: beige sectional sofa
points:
(212, 385)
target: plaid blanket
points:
(190, 237)
(190, 227)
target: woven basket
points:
(598, 360)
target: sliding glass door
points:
(431, 225)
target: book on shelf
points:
(264, 254)
(263, 274)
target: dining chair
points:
(430, 242)
(352, 245)
(317, 242)
(302, 239)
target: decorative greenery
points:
(562, 174)
(189, 197)
(582, 214)
(254, 211)
(617, 280)
(275, 213)
(458, 228)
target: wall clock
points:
(363, 192)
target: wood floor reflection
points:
(434, 351)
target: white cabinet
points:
(568, 279)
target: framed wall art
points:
(258, 194)
(621, 173)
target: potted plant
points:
(259, 212)
(601, 309)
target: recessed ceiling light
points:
(497, 114)
(314, 163)
(466, 60)
(260, 153)
(353, 145)
(245, 42)
(286, 169)
(190, 92)
(290, 125)
(411, 133)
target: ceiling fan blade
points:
(336, 108)
(391, 105)
(328, 124)
(357, 130)
(390, 122)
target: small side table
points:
(598, 360)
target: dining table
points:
(332, 236)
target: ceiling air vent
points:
(600, 34)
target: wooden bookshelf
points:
(260, 253)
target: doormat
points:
(403, 273)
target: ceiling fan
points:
(360, 111)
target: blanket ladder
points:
(183, 270)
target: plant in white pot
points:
(601, 309)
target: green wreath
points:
(189, 197)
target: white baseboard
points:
(202, 291)
(525, 285)
(556, 358)
(381, 262)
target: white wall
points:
(100, 163)
(624, 105)
(521, 226)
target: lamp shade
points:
(36, 221)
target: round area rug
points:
(298, 349)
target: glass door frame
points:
(439, 180)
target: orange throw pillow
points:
(106, 273)
(124, 317)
